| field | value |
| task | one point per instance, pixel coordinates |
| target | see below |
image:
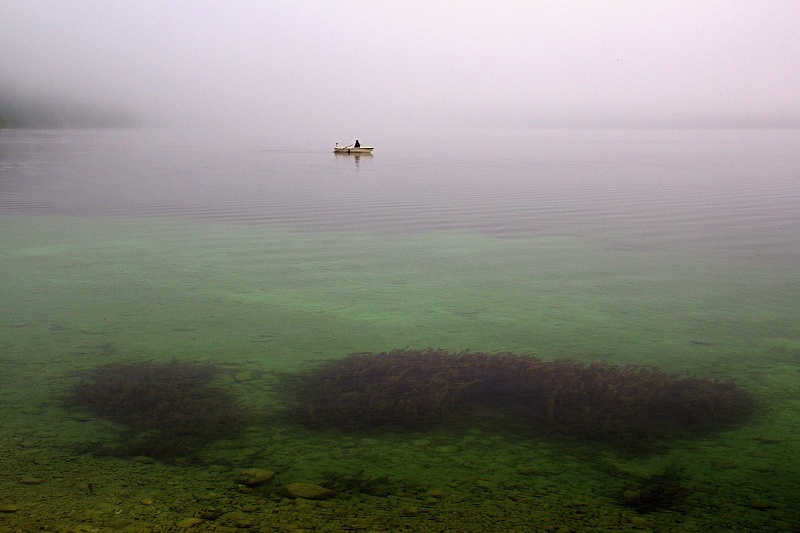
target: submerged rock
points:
(309, 491)
(253, 477)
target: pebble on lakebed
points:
(309, 491)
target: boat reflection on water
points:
(355, 157)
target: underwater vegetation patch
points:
(170, 410)
(415, 389)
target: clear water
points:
(678, 249)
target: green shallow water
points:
(81, 291)
(172, 288)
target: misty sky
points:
(364, 66)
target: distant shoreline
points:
(36, 113)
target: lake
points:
(671, 249)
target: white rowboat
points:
(352, 149)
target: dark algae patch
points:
(169, 410)
(416, 389)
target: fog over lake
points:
(320, 68)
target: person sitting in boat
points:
(357, 145)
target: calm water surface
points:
(679, 249)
